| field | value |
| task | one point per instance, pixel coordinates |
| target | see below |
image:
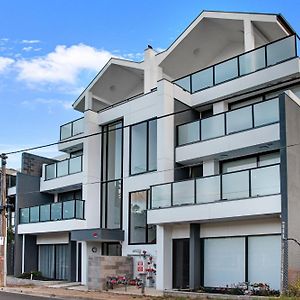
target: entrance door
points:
(181, 263)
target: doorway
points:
(181, 263)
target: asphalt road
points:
(13, 296)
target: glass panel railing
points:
(78, 126)
(212, 127)
(75, 165)
(69, 209)
(254, 182)
(34, 213)
(65, 210)
(66, 131)
(265, 181)
(184, 192)
(248, 117)
(184, 83)
(79, 209)
(208, 189)
(226, 70)
(266, 112)
(161, 196)
(252, 61)
(281, 50)
(56, 211)
(202, 80)
(240, 65)
(71, 129)
(235, 185)
(50, 171)
(45, 213)
(24, 215)
(188, 133)
(239, 119)
(62, 168)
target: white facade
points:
(160, 94)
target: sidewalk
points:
(54, 289)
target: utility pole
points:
(3, 239)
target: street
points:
(14, 296)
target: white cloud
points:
(5, 62)
(27, 48)
(30, 41)
(49, 103)
(63, 65)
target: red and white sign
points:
(140, 266)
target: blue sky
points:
(51, 49)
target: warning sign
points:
(140, 266)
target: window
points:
(54, 261)
(230, 260)
(72, 195)
(111, 174)
(111, 249)
(139, 231)
(143, 147)
(245, 163)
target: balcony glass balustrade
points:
(71, 129)
(240, 65)
(255, 182)
(65, 210)
(63, 168)
(240, 119)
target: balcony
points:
(62, 175)
(63, 168)
(236, 194)
(241, 119)
(42, 218)
(70, 135)
(71, 129)
(65, 210)
(244, 127)
(249, 62)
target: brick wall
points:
(100, 267)
(32, 164)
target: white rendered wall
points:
(232, 209)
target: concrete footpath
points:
(63, 290)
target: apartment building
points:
(191, 155)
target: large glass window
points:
(264, 260)
(230, 260)
(112, 153)
(54, 261)
(224, 261)
(143, 156)
(140, 231)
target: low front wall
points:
(100, 267)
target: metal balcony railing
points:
(256, 182)
(65, 210)
(257, 59)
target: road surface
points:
(13, 296)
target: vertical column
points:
(195, 256)
(23, 254)
(164, 258)
(152, 72)
(249, 41)
(84, 263)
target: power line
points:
(129, 125)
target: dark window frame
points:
(147, 227)
(104, 172)
(147, 147)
